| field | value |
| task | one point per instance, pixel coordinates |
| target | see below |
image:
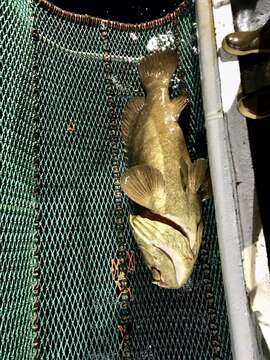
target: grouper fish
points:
(160, 176)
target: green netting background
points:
(78, 308)
(16, 181)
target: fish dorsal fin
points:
(144, 185)
(179, 104)
(130, 114)
(197, 174)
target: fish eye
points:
(156, 273)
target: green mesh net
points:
(60, 152)
(16, 182)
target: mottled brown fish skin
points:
(157, 140)
(161, 176)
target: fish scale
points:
(161, 176)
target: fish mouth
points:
(156, 277)
(156, 274)
(148, 214)
(175, 257)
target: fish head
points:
(166, 251)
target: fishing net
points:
(70, 288)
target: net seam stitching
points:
(214, 329)
(124, 297)
(90, 55)
(96, 21)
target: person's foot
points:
(248, 42)
(255, 105)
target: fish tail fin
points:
(158, 68)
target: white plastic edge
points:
(243, 339)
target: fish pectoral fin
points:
(179, 104)
(197, 175)
(130, 114)
(143, 184)
(184, 174)
(206, 190)
(195, 247)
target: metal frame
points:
(243, 330)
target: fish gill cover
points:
(64, 87)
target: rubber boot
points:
(248, 42)
(255, 105)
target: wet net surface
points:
(16, 182)
(78, 312)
